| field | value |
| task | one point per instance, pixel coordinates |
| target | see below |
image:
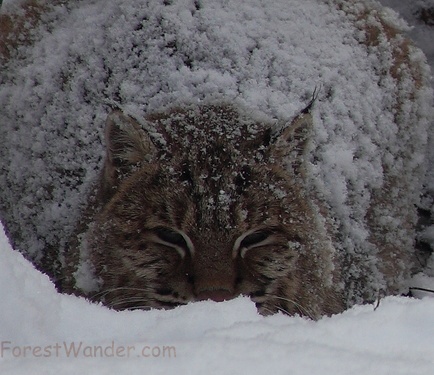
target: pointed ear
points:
(289, 147)
(127, 146)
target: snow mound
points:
(147, 55)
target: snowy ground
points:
(39, 326)
(42, 332)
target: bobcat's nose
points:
(217, 295)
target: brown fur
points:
(218, 186)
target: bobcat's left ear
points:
(289, 146)
(127, 145)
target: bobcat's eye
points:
(175, 239)
(252, 239)
(169, 235)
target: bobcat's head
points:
(208, 204)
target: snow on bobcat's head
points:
(213, 208)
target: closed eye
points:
(251, 239)
(173, 238)
(254, 238)
(169, 235)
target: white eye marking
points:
(251, 239)
(179, 249)
(174, 238)
(190, 245)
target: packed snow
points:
(298, 47)
(42, 332)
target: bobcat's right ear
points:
(290, 145)
(127, 145)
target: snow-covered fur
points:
(70, 63)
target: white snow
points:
(42, 332)
(420, 32)
(272, 61)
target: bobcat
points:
(214, 209)
(207, 201)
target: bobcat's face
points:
(208, 212)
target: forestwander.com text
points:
(79, 349)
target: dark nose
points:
(217, 295)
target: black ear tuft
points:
(290, 145)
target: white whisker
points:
(303, 310)
(104, 293)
